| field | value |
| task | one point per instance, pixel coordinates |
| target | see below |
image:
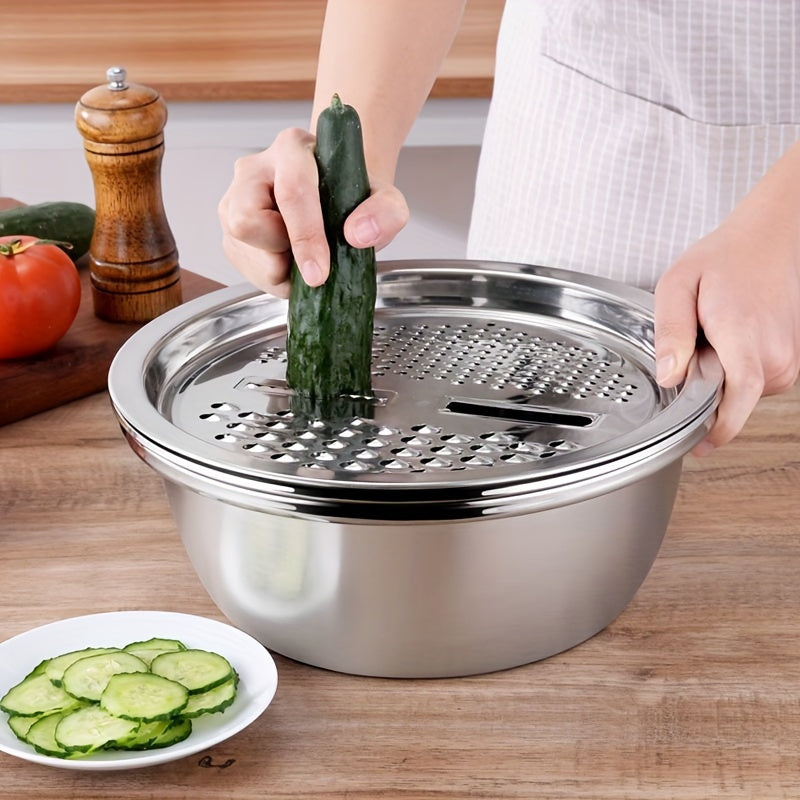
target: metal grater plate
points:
(482, 374)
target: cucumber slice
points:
(90, 728)
(212, 701)
(36, 695)
(330, 327)
(179, 729)
(21, 725)
(87, 677)
(139, 697)
(54, 667)
(143, 696)
(197, 670)
(39, 668)
(143, 737)
(151, 648)
(41, 736)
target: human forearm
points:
(382, 57)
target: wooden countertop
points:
(54, 51)
(691, 693)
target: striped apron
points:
(620, 131)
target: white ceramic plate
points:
(257, 673)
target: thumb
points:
(675, 327)
(376, 221)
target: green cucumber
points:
(143, 697)
(60, 221)
(143, 737)
(89, 729)
(197, 670)
(179, 729)
(54, 667)
(21, 725)
(330, 327)
(151, 648)
(140, 697)
(34, 696)
(41, 736)
(212, 701)
(87, 678)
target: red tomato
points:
(40, 292)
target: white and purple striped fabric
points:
(620, 131)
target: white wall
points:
(41, 158)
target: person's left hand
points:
(741, 285)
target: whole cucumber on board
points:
(330, 327)
(61, 221)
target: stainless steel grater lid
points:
(486, 376)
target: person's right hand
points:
(271, 213)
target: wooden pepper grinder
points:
(132, 257)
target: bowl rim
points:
(669, 434)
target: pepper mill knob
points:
(116, 78)
(132, 256)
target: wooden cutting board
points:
(78, 365)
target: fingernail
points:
(664, 368)
(366, 231)
(311, 272)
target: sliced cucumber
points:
(21, 725)
(212, 701)
(39, 668)
(143, 696)
(36, 695)
(90, 728)
(87, 677)
(41, 736)
(54, 667)
(143, 737)
(197, 670)
(151, 648)
(179, 729)
(139, 697)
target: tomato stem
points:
(16, 246)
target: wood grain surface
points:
(692, 693)
(53, 51)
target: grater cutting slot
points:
(534, 415)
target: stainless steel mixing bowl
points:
(499, 498)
